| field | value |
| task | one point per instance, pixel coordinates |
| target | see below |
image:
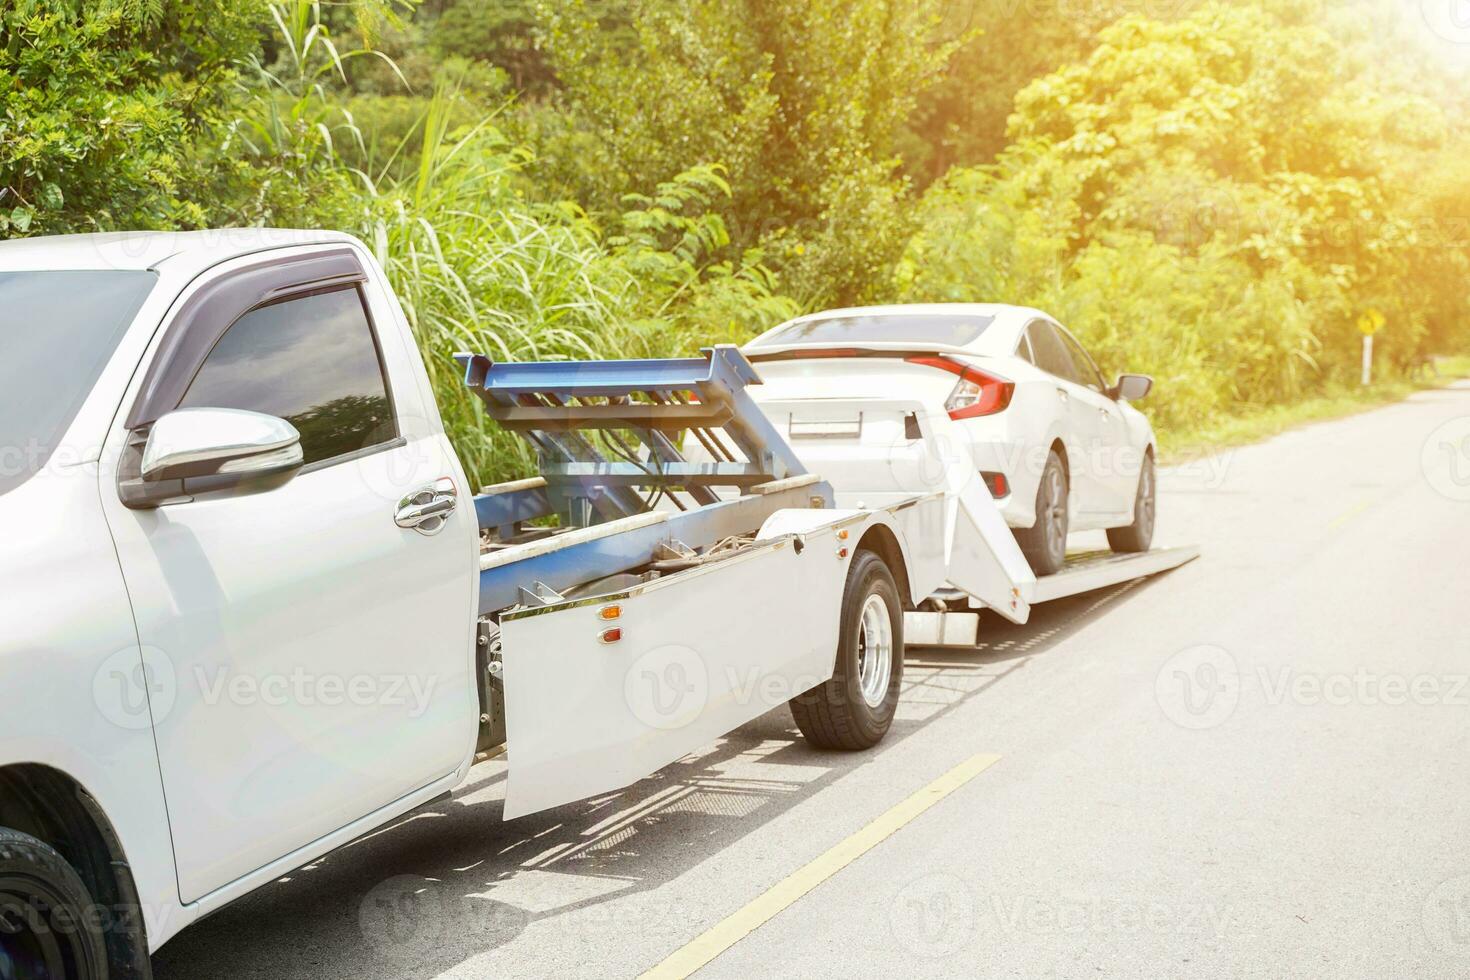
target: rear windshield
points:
(57, 331)
(951, 331)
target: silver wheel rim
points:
(1056, 512)
(875, 650)
(1146, 499)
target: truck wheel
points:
(1139, 535)
(48, 922)
(1045, 543)
(855, 708)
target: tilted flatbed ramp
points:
(1095, 570)
(958, 625)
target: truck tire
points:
(854, 709)
(1139, 536)
(1045, 543)
(49, 924)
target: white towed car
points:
(1060, 448)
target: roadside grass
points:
(1181, 445)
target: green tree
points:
(103, 101)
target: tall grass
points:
(480, 266)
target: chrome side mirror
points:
(195, 442)
(1131, 387)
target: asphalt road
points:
(1256, 765)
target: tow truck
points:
(253, 610)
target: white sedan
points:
(858, 391)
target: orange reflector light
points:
(612, 636)
(610, 612)
(841, 535)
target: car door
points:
(312, 659)
(1112, 467)
(1081, 425)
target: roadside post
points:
(1369, 323)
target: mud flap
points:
(695, 655)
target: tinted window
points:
(57, 332)
(1050, 352)
(1023, 349)
(1087, 372)
(311, 361)
(952, 331)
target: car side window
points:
(1023, 348)
(311, 360)
(1050, 353)
(1087, 372)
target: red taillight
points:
(975, 393)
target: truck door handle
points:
(427, 509)
(1063, 393)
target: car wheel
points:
(1045, 543)
(48, 924)
(855, 708)
(1139, 535)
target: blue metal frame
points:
(553, 403)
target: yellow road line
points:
(765, 907)
(1342, 519)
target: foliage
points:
(1213, 193)
(1152, 199)
(102, 101)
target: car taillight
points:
(976, 393)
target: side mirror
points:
(228, 446)
(1131, 387)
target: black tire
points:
(1045, 543)
(837, 715)
(1139, 536)
(49, 926)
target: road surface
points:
(1256, 765)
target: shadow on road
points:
(451, 880)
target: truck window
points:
(57, 332)
(312, 361)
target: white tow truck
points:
(252, 609)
